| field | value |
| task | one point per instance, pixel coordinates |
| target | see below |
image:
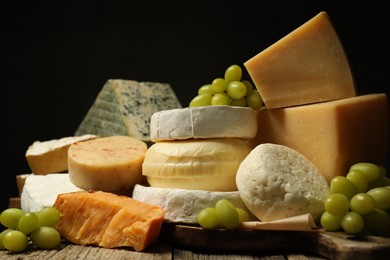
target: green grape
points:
(342, 185)
(330, 222)
(2, 234)
(10, 217)
(236, 89)
(336, 204)
(227, 214)
(219, 85)
(201, 100)
(233, 73)
(382, 171)
(28, 222)
(381, 197)
(254, 100)
(208, 218)
(48, 217)
(249, 87)
(15, 241)
(238, 102)
(220, 99)
(45, 237)
(380, 182)
(352, 223)
(243, 216)
(206, 89)
(377, 220)
(362, 203)
(370, 170)
(358, 179)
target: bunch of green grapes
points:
(230, 90)
(359, 203)
(23, 227)
(223, 215)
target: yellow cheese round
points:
(208, 164)
(112, 164)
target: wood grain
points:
(332, 245)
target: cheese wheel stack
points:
(198, 148)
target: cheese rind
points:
(203, 122)
(111, 164)
(333, 135)
(41, 191)
(306, 66)
(124, 107)
(204, 164)
(182, 205)
(52, 156)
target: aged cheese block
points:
(306, 66)
(111, 164)
(182, 205)
(40, 191)
(203, 164)
(124, 107)
(52, 156)
(333, 135)
(204, 122)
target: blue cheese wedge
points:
(124, 107)
(40, 191)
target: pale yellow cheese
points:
(206, 164)
(112, 164)
(333, 135)
(306, 66)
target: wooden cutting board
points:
(332, 245)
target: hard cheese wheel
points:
(277, 182)
(182, 205)
(207, 164)
(111, 164)
(204, 122)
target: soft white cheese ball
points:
(277, 182)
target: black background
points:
(56, 57)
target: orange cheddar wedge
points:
(107, 220)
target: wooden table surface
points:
(160, 250)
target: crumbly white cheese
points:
(277, 182)
(183, 206)
(40, 191)
(124, 107)
(204, 122)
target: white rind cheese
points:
(124, 107)
(40, 191)
(204, 122)
(181, 205)
(52, 156)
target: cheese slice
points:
(52, 156)
(41, 191)
(204, 122)
(110, 163)
(306, 66)
(333, 135)
(204, 164)
(124, 107)
(182, 205)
